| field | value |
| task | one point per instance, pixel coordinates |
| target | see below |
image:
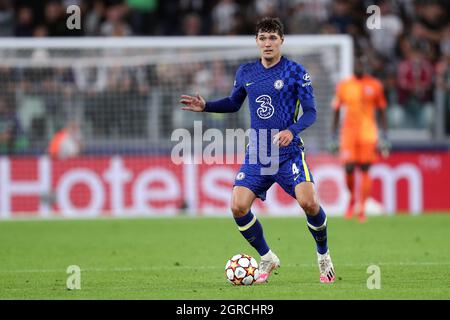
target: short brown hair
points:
(270, 25)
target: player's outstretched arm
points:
(198, 104)
(193, 103)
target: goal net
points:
(89, 121)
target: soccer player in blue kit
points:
(276, 87)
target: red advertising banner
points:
(155, 186)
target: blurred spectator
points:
(443, 75)
(218, 83)
(57, 94)
(171, 16)
(24, 23)
(416, 36)
(223, 16)
(341, 19)
(8, 79)
(40, 31)
(300, 20)
(135, 94)
(361, 40)
(90, 80)
(192, 25)
(11, 138)
(431, 21)
(415, 82)
(445, 41)
(384, 40)
(143, 16)
(6, 18)
(116, 87)
(221, 80)
(241, 25)
(93, 18)
(266, 8)
(115, 24)
(202, 8)
(55, 20)
(443, 82)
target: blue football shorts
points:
(292, 170)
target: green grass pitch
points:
(184, 258)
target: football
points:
(242, 269)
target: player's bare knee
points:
(310, 206)
(239, 209)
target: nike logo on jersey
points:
(249, 84)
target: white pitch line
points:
(305, 265)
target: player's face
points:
(269, 44)
(360, 69)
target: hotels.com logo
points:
(128, 186)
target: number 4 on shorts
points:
(295, 169)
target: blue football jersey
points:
(275, 95)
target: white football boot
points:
(327, 273)
(269, 262)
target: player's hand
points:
(385, 146)
(333, 145)
(283, 138)
(193, 103)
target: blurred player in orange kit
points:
(360, 95)
(66, 143)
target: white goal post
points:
(328, 58)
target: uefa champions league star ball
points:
(242, 269)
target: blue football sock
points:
(317, 225)
(252, 230)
